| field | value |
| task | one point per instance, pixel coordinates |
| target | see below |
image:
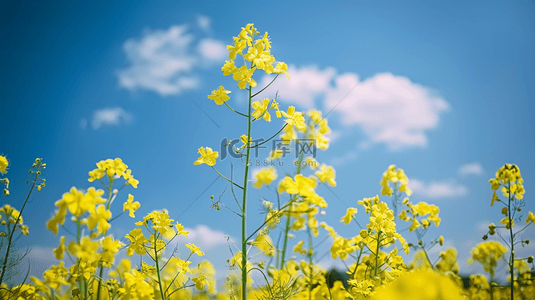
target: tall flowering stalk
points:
(90, 212)
(257, 57)
(421, 215)
(509, 181)
(13, 217)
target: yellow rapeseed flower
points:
(530, 218)
(194, 249)
(131, 206)
(265, 176)
(244, 76)
(294, 118)
(420, 285)
(282, 68)
(488, 254)
(208, 156)
(60, 250)
(99, 218)
(137, 242)
(326, 173)
(4, 163)
(219, 96)
(261, 109)
(229, 67)
(349, 215)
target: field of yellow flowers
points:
(87, 267)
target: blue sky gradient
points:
(77, 89)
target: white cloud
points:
(349, 156)
(443, 189)
(471, 169)
(165, 61)
(390, 109)
(304, 86)
(114, 116)
(39, 259)
(212, 50)
(204, 237)
(333, 136)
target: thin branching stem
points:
(12, 233)
(264, 87)
(273, 136)
(227, 178)
(239, 113)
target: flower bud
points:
(492, 229)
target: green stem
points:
(101, 268)
(286, 231)
(428, 259)
(227, 178)
(377, 253)
(244, 206)
(357, 264)
(310, 254)
(288, 218)
(268, 219)
(250, 97)
(157, 265)
(83, 289)
(12, 233)
(239, 113)
(260, 144)
(491, 291)
(512, 260)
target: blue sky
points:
(442, 90)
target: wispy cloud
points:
(304, 86)
(205, 237)
(437, 189)
(114, 116)
(166, 61)
(390, 109)
(471, 169)
(349, 156)
(204, 22)
(212, 50)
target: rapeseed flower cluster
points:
(112, 168)
(376, 273)
(94, 250)
(4, 164)
(488, 254)
(12, 220)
